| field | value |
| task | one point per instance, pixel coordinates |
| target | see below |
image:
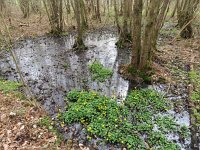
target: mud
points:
(51, 68)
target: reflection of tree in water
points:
(52, 69)
(79, 62)
(79, 67)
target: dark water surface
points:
(51, 68)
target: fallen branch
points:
(23, 24)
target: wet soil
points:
(51, 68)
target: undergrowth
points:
(126, 123)
(47, 122)
(195, 79)
(145, 74)
(99, 72)
(9, 86)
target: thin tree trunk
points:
(116, 17)
(79, 45)
(145, 58)
(2, 5)
(136, 35)
(185, 15)
(25, 7)
(98, 11)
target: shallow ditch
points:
(51, 69)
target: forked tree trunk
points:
(35, 6)
(125, 29)
(143, 41)
(67, 5)
(175, 9)
(160, 20)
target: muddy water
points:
(179, 111)
(51, 68)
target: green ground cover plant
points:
(123, 123)
(99, 72)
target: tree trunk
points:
(2, 5)
(54, 9)
(79, 44)
(125, 31)
(136, 35)
(98, 15)
(146, 53)
(161, 17)
(185, 15)
(35, 6)
(116, 16)
(83, 15)
(25, 7)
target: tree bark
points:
(54, 9)
(136, 35)
(185, 14)
(98, 14)
(2, 5)
(146, 52)
(25, 7)
(79, 44)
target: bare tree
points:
(54, 9)
(2, 5)
(36, 6)
(79, 44)
(144, 41)
(124, 29)
(186, 11)
(25, 7)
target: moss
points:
(145, 74)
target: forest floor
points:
(21, 125)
